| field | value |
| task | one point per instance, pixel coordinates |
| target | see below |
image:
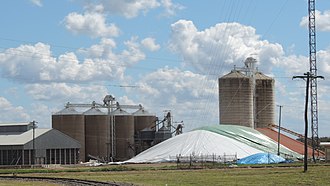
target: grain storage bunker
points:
(97, 128)
(144, 129)
(236, 99)
(71, 123)
(124, 134)
(264, 100)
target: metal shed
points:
(48, 146)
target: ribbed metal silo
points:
(124, 134)
(236, 99)
(265, 103)
(144, 129)
(97, 133)
(143, 119)
(71, 123)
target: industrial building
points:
(246, 97)
(23, 144)
(107, 132)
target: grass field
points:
(150, 175)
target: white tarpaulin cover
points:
(212, 140)
(198, 142)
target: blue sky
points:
(171, 52)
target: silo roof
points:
(234, 74)
(260, 75)
(94, 111)
(120, 112)
(67, 111)
(142, 112)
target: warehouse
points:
(21, 144)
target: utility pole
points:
(279, 130)
(33, 142)
(307, 76)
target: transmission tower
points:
(313, 72)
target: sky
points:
(163, 54)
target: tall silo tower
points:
(97, 127)
(144, 129)
(236, 99)
(124, 134)
(71, 123)
(265, 101)
(246, 97)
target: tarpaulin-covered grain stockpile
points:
(212, 140)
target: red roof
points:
(288, 142)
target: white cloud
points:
(170, 7)
(322, 21)
(11, 113)
(34, 63)
(128, 9)
(191, 97)
(323, 61)
(292, 65)
(131, 9)
(133, 53)
(37, 2)
(150, 44)
(223, 45)
(64, 92)
(91, 23)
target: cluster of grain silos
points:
(246, 97)
(107, 133)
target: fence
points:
(203, 161)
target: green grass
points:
(161, 175)
(25, 183)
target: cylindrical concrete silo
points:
(97, 127)
(236, 99)
(71, 123)
(144, 129)
(124, 134)
(265, 103)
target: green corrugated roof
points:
(251, 137)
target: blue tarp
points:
(261, 158)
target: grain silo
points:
(143, 119)
(236, 99)
(124, 134)
(71, 123)
(144, 129)
(97, 127)
(264, 104)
